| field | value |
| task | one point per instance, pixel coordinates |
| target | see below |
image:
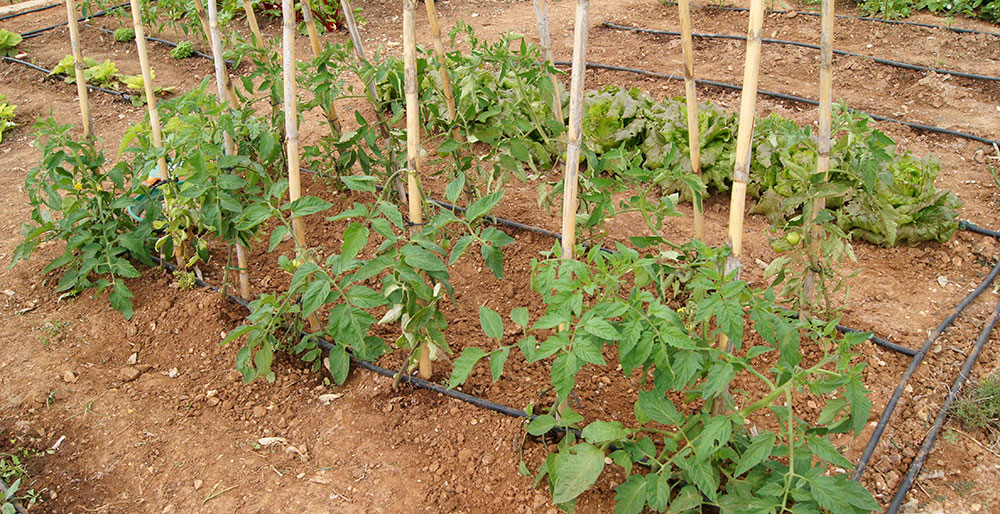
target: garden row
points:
(660, 305)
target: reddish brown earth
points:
(177, 431)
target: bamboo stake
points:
(823, 159)
(425, 367)
(545, 39)
(291, 126)
(252, 22)
(81, 79)
(571, 176)
(199, 8)
(383, 125)
(694, 139)
(741, 170)
(449, 96)
(147, 82)
(206, 24)
(221, 80)
(307, 17)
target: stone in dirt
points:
(128, 374)
(69, 377)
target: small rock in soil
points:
(259, 411)
(198, 484)
(132, 359)
(69, 377)
(128, 374)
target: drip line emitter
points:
(916, 356)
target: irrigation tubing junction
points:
(783, 96)
(849, 17)
(896, 64)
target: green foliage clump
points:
(76, 196)
(8, 42)
(183, 50)
(894, 9)
(6, 115)
(124, 34)
(979, 407)
(104, 74)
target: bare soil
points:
(149, 416)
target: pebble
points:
(198, 484)
(128, 374)
(259, 411)
(69, 377)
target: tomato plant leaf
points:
(603, 432)
(306, 206)
(630, 495)
(355, 238)
(498, 358)
(464, 365)
(824, 449)
(340, 363)
(579, 466)
(659, 408)
(760, 449)
(482, 206)
(602, 329)
(541, 424)
(491, 322)
(519, 315)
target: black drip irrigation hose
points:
(956, 388)
(171, 44)
(124, 96)
(849, 17)
(38, 32)
(29, 11)
(972, 227)
(17, 505)
(897, 64)
(917, 359)
(792, 98)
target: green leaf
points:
(482, 206)
(277, 237)
(603, 432)
(540, 425)
(340, 363)
(630, 496)
(458, 248)
(601, 329)
(455, 188)
(759, 450)
(307, 205)
(421, 259)
(464, 365)
(491, 322)
(701, 474)
(588, 351)
(856, 494)
(365, 297)
(579, 467)
(716, 434)
(824, 449)
(355, 239)
(315, 295)
(498, 358)
(121, 300)
(659, 408)
(827, 493)
(519, 315)
(719, 376)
